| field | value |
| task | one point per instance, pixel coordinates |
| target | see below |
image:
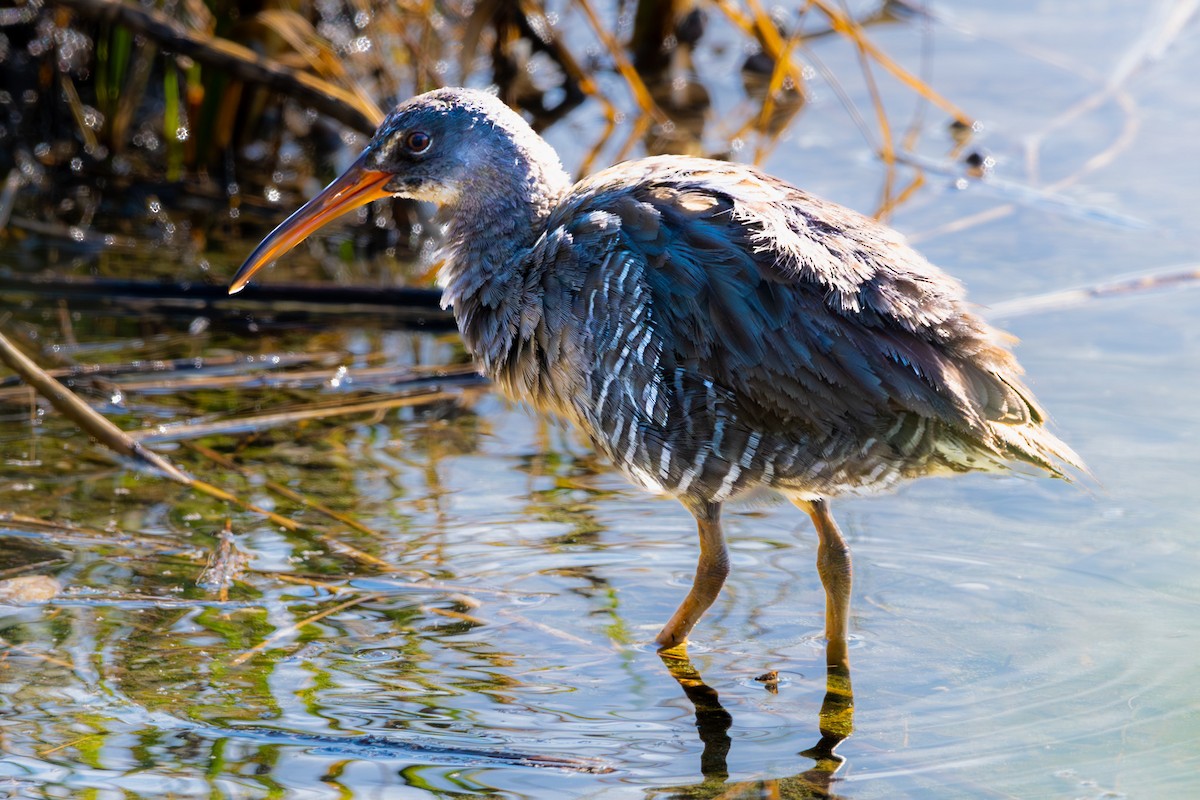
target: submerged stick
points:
(423, 305)
(337, 546)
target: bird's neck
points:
(503, 208)
(493, 226)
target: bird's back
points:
(713, 328)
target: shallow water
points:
(1012, 638)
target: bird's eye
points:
(418, 141)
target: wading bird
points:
(711, 329)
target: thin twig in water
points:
(283, 491)
(1122, 142)
(464, 593)
(557, 633)
(36, 565)
(454, 615)
(291, 630)
(84, 415)
(9, 647)
(391, 376)
(1024, 194)
(168, 433)
(1186, 275)
(291, 525)
(181, 364)
(67, 534)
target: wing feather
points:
(812, 318)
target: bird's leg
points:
(711, 572)
(833, 565)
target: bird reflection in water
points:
(713, 721)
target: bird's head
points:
(440, 147)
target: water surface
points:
(1013, 638)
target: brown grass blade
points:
(848, 27)
(239, 61)
(64, 533)
(319, 54)
(337, 546)
(392, 376)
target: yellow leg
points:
(833, 565)
(711, 572)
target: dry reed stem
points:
(454, 615)
(66, 533)
(610, 124)
(641, 94)
(51, 751)
(462, 594)
(128, 445)
(783, 70)
(36, 565)
(292, 526)
(186, 364)
(549, 630)
(9, 647)
(318, 53)
(284, 577)
(8, 195)
(850, 28)
(352, 552)
(396, 377)
(761, 27)
(239, 61)
(220, 494)
(887, 148)
(71, 95)
(640, 127)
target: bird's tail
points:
(1033, 444)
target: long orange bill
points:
(356, 187)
